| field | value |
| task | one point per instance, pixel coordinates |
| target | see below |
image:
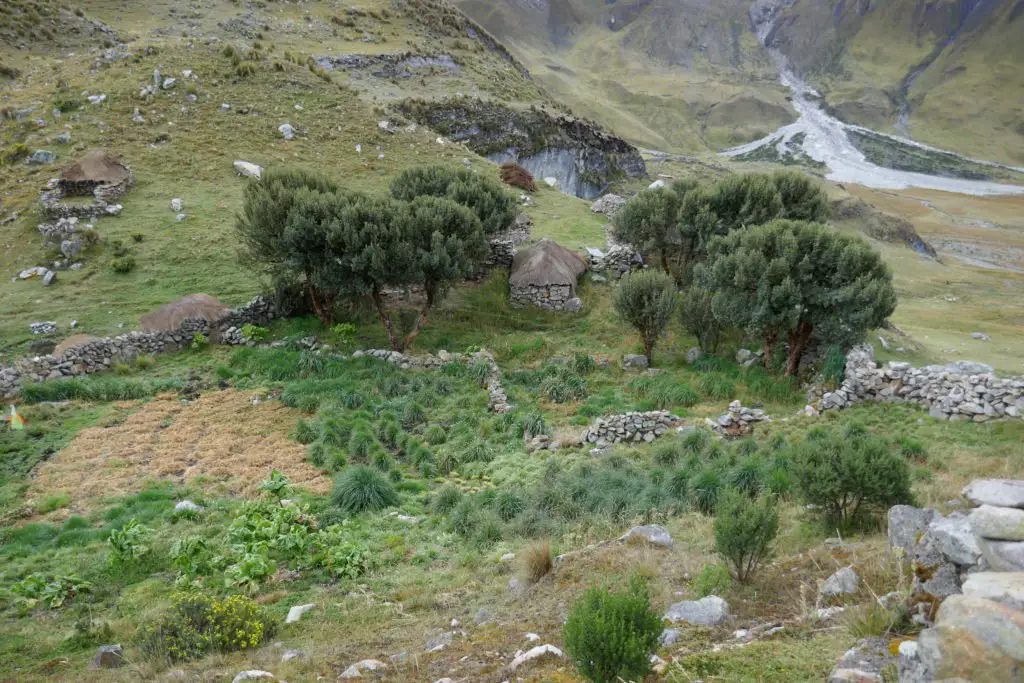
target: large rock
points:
(955, 539)
(842, 582)
(296, 612)
(709, 611)
(252, 675)
(975, 640)
(1003, 556)
(108, 657)
(1007, 493)
(997, 523)
(863, 663)
(651, 533)
(907, 524)
(357, 669)
(244, 168)
(1004, 587)
(533, 654)
(635, 361)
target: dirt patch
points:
(220, 439)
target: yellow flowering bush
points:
(199, 624)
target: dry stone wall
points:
(550, 297)
(101, 354)
(959, 391)
(630, 427)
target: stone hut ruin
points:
(545, 276)
(98, 174)
(192, 313)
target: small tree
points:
(802, 198)
(850, 473)
(648, 223)
(495, 208)
(744, 531)
(698, 318)
(610, 635)
(746, 200)
(793, 280)
(646, 300)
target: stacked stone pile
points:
(609, 205)
(498, 401)
(101, 354)
(972, 566)
(630, 427)
(739, 421)
(959, 391)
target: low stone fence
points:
(550, 297)
(958, 391)
(498, 401)
(635, 427)
(100, 354)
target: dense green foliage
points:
(697, 315)
(646, 300)
(363, 488)
(793, 282)
(648, 222)
(610, 634)
(199, 624)
(495, 208)
(851, 473)
(744, 531)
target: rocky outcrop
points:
(630, 427)
(391, 65)
(709, 611)
(582, 157)
(958, 391)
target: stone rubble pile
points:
(100, 354)
(609, 205)
(498, 401)
(739, 421)
(630, 427)
(970, 565)
(958, 391)
(617, 260)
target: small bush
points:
(361, 488)
(508, 504)
(517, 176)
(875, 620)
(123, 264)
(446, 499)
(198, 625)
(713, 579)
(699, 320)
(744, 531)
(850, 474)
(610, 635)
(564, 387)
(705, 488)
(254, 333)
(646, 300)
(435, 435)
(536, 561)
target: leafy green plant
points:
(129, 543)
(277, 485)
(744, 531)
(198, 624)
(360, 489)
(189, 556)
(712, 579)
(199, 341)
(254, 333)
(123, 264)
(609, 635)
(344, 334)
(51, 591)
(249, 572)
(446, 499)
(348, 560)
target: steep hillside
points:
(681, 76)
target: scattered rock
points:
(289, 655)
(187, 506)
(47, 327)
(651, 533)
(863, 663)
(108, 657)
(439, 642)
(244, 168)
(97, 99)
(609, 205)
(1007, 493)
(826, 613)
(169, 83)
(482, 617)
(180, 217)
(286, 131)
(177, 205)
(551, 182)
(955, 539)
(252, 675)
(41, 157)
(533, 654)
(296, 612)
(49, 278)
(357, 669)
(709, 611)
(907, 524)
(980, 336)
(669, 636)
(998, 523)
(634, 361)
(63, 138)
(844, 581)
(693, 355)
(656, 185)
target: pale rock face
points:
(998, 523)
(842, 582)
(709, 611)
(1007, 493)
(1003, 587)
(973, 639)
(653, 534)
(296, 612)
(1003, 556)
(244, 168)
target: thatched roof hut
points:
(170, 316)
(546, 264)
(97, 166)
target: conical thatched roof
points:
(194, 306)
(546, 263)
(97, 165)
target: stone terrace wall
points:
(633, 427)
(99, 355)
(958, 391)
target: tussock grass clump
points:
(535, 561)
(446, 499)
(361, 489)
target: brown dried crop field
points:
(220, 440)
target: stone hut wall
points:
(551, 297)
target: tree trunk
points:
(664, 262)
(649, 351)
(323, 310)
(798, 339)
(385, 319)
(421, 319)
(769, 344)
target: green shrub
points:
(305, 432)
(699, 319)
(912, 449)
(446, 499)
(532, 424)
(123, 264)
(198, 625)
(435, 435)
(254, 333)
(413, 415)
(509, 504)
(646, 300)
(361, 443)
(129, 543)
(51, 591)
(464, 518)
(252, 570)
(199, 341)
(850, 474)
(610, 635)
(361, 488)
(744, 531)
(833, 368)
(712, 579)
